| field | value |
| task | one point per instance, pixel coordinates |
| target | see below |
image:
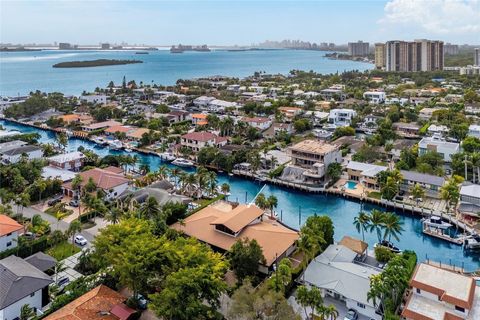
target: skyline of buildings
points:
(358, 49)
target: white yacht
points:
(436, 222)
(472, 242)
(166, 156)
(115, 144)
(182, 162)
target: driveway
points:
(70, 263)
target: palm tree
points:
(212, 182)
(162, 172)
(272, 202)
(144, 168)
(76, 185)
(62, 140)
(74, 227)
(176, 172)
(377, 219)
(59, 267)
(188, 182)
(60, 213)
(261, 201)
(41, 186)
(361, 223)
(149, 208)
(417, 192)
(331, 312)
(114, 214)
(225, 188)
(392, 225)
(26, 312)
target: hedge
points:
(24, 251)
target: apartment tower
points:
(379, 55)
(411, 56)
(358, 49)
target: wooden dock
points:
(437, 233)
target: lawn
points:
(63, 250)
(375, 195)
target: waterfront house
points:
(10, 230)
(75, 118)
(438, 144)
(469, 205)
(100, 125)
(110, 180)
(49, 172)
(195, 141)
(222, 224)
(430, 184)
(260, 123)
(5, 146)
(341, 117)
(310, 161)
(437, 293)
(406, 130)
(21, 284)
(13, 155)
(344, 275)
(365, 174)
(137, 133)
(375, 97)
(474, 130)
(100, 303)
(202, 101)
(68, 161)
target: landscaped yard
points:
(63, 250)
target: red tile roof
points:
(203, 137)
(104, 178)
(8, 225)
(95, 304)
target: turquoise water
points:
(22, 72)
(294, 207)
(351, 185)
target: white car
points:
(80, 240)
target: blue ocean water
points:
(22, 72)
(295, 207)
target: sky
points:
(224, 22)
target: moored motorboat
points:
(115, 144)
(387, 244)
(167, 156)
(472, 242)
(182, 162)
(436, 222)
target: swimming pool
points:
(351, 185)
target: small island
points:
(94, 63)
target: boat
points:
(141, 52)
(128, 150)
(115, 144)
(167, 156)
(182, 162)
(472, 242)
(99, 140)
(387, 244)
(436, 222)
(261, 178)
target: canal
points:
(295, 207)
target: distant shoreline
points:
(94, 63)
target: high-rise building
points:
(418, 55)
(476, 57)
(64, 46)
(379, 55)
(451, 49)
(105, 46)
(358, 49)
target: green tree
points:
(245, 255)
(149, 208)
(417, 192)
(377, 222)
(334, 171)
(26, 312)
(309, 298)
(62, 140)
(74, 227)
(392, 226)
(361, 223)
(282, 276)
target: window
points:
(32, 294)
(360, 305)
(419, 291)
(9, 234)
(9, 243)
(459, 309)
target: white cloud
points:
(436, 17)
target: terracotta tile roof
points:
(353, 244)
(104, 178)
(199, 116)
(8, 225)
(104, 124)
(200, 136)
(138, 133)
(256, 119)
(95, 304)
(119, 129)
(239, 218)
(273, 237)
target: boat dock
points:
(437, 233)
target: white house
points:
(94, 98)
(202, 101)
(474, 130)
(341, 117)
(437, 293)
(13, 155)
(260, 123)
(22, 284)
(438, 144)
(375, 97)
(68, 161)
(9, 232)
(437, 129)
(340, 274)
(198, 140)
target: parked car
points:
(73, 203)
(54, 200)
(29, 235)
(80, 240)
(352, 314)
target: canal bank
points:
(294, 206)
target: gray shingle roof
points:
(21, 150)
(41, 261)
(422, 178)
(19, 279)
